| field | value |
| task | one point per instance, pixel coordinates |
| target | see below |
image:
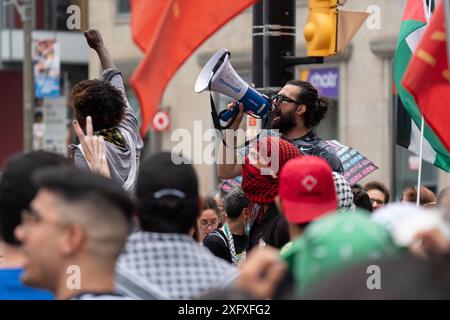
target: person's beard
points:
(285, 122)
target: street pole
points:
(27, 70)
(273, 39)
(273, 54)
(278, 42)
(257, 52)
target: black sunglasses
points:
(278, 98)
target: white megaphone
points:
(218, 75)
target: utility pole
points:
(278, 42)
(257, 53)
(274, 33)
(28, 85)
(26, 12)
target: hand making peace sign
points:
(93, 148)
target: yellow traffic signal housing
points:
(329, 30)
(321, 28)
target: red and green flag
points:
(413, 26)
(430, 63)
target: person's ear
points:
(19, 233)
(72, 240)
(244, 212)
(301, 109)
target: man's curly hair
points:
(100, 100)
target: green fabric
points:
(335, 242)
(402, 58)
(114, 136)
(288, 252)
(285, 250)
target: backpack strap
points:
(219, 233)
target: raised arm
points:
(113, 75)
(95, 41)
(233, 169)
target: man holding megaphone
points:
(298, 109)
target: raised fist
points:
(94, 39)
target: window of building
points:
(123, 7)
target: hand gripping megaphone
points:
(218, 75)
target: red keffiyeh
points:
(262, 188)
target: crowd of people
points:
(105, 226)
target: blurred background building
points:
(49, 23)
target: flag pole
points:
(419, 177)
(422, 125)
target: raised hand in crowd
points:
(93, 147)
(95, 41)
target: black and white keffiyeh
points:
(344, 193)
(101, 296)
(169, 266)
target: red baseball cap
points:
(306, 189)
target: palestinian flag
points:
(413, 25)
(430, 62)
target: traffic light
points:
(329, 30)
(321, 28)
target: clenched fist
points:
(94, 39)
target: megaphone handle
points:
(226, 115)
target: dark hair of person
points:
(426, 195)
(362, 200)
(17, 189)
(235, 202)
(376, 185)
(210, 203)
(170, 213)
(316, 107)
(100, 100)
(75, 185)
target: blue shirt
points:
(11, 288)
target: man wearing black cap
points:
(162, 261)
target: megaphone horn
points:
(219, 76)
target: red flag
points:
(168, 32)
(428, 78)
